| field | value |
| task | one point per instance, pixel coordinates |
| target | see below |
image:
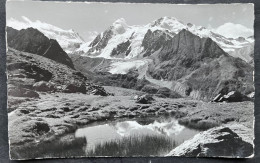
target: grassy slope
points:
(61, 74)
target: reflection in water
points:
(169, 128)
(163, 133)
(97, 134)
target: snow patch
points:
(84, 47)
(123, 67)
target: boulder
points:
(44, 86)
(149, 89)
(22, 92)
(136, 97)
(98, 90)
(216, 142)
(40, 128)
(32, 94)
(73, 88)
(145, 99)
(233, 96)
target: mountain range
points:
(119, 34)
(191, 60)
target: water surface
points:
(143, 133)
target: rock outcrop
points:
(122, 49)
(154, 41)
(144, 99)
(97, 90)
(22, 92)
(101, 41)
(73, 88)
(44, 86)
(216, 142)
(233, 96)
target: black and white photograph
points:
(102, 79)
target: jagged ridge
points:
(33, 41)
(200, 68)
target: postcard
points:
(101, 79)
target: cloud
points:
(234, 30)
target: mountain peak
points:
(166, 19)
(120, 26)
(169, 23)
(66, 38)
(31, 40)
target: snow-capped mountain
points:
(127, 41)
(69, 40)
(188, 59)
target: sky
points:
(88, 19)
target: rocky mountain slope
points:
(24, 67)
(199, 67)
(69, 40)
(33, 41)
(29, 75)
